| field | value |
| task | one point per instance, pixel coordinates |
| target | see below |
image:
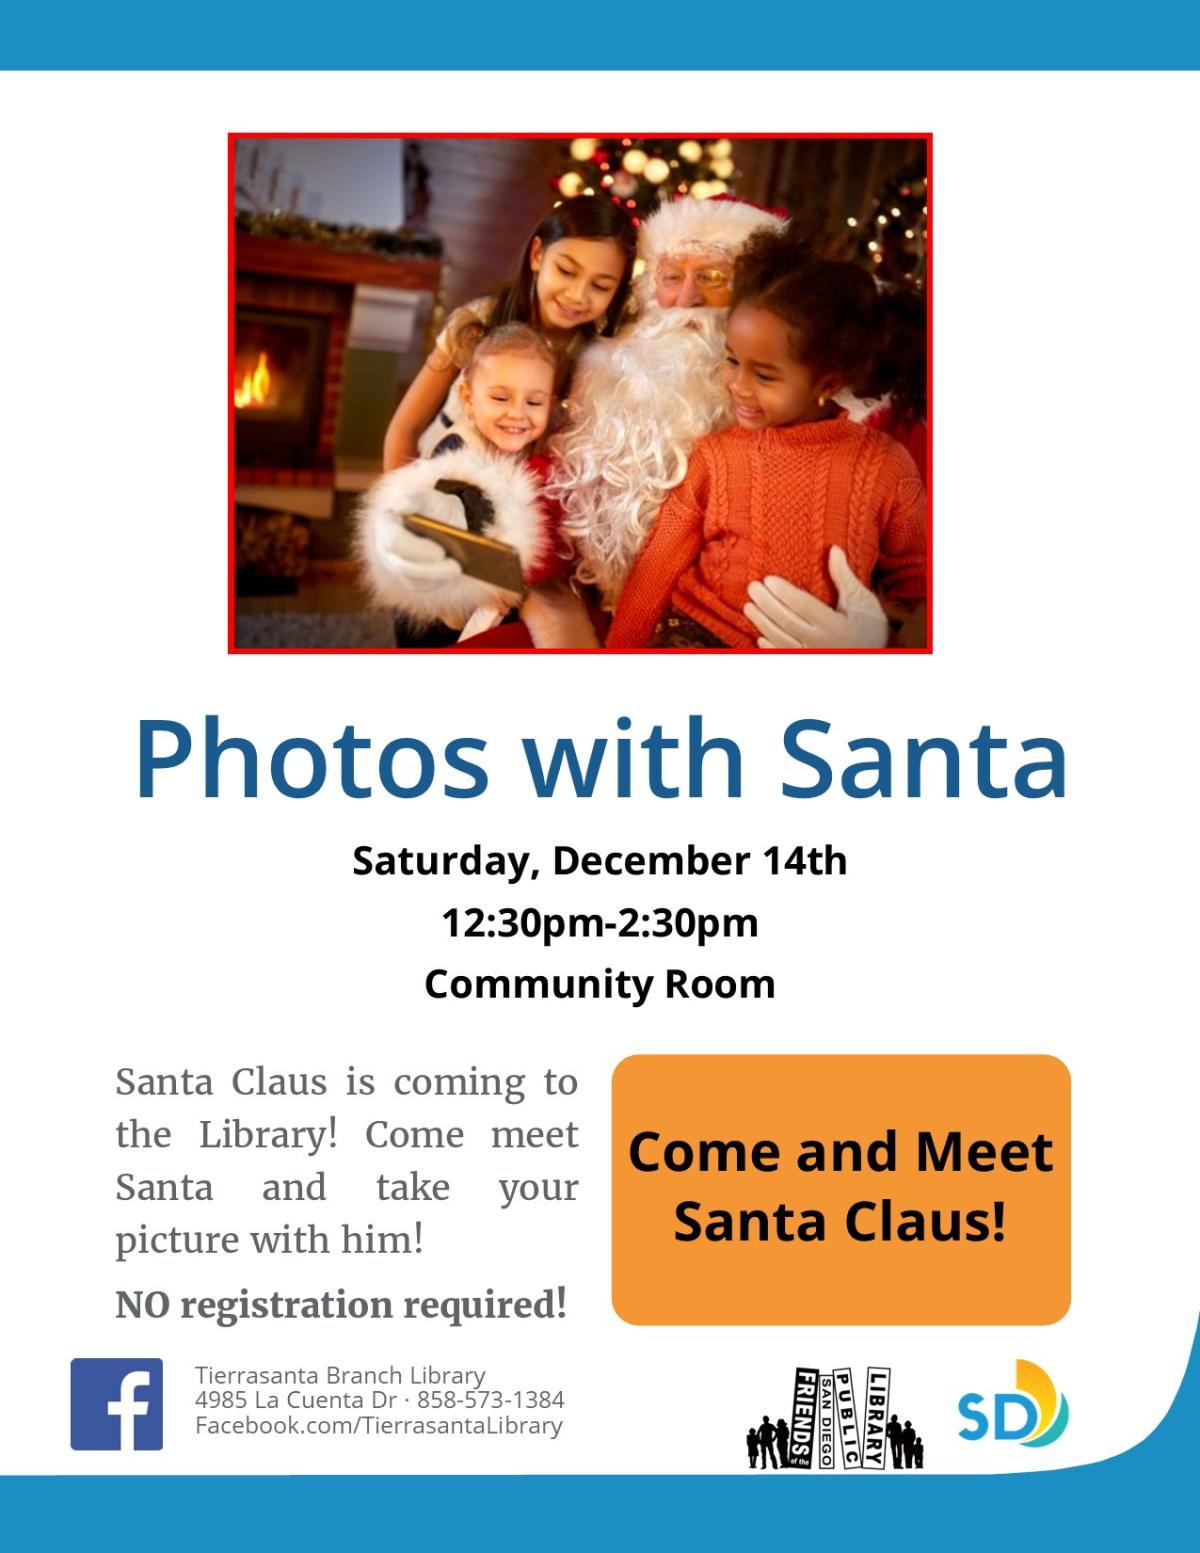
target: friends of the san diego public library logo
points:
(116, 1404)
(828, 1422)
(1043, 1414)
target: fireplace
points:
(293, 315)
(278, 377)
(289, 339)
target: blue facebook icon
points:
(116, 1404)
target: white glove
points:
(414, 559)
(786, 616)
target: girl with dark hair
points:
(570, 285)
(795, 489)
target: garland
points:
(392, 242)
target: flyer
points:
(598, 797)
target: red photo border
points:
(235, 135)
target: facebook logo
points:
(116, 1404)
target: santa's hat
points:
(689, 225)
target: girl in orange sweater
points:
(795, 488)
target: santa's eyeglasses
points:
(705, 280)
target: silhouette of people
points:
(766, 1443)
(782, 1439)
(908, 1439)
(918, 1453)
(894, 1434)
(752, 1445)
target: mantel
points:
(312, 261)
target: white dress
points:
(452, 416)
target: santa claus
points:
(638, 405)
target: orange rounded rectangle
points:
(841, 1190)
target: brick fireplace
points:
(293, 302)
(291, 334)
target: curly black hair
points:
(840, 323)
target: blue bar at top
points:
(773, 34)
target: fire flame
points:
(255, 387)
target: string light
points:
(640, 173)
(890, 240)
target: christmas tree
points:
(893, 239)
(639, 171)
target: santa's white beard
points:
(639, 404)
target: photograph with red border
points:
(578, 393)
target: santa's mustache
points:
(705, 324)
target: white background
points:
(190, 933)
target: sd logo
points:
(1044, 1414)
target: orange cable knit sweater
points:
(770, 503)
